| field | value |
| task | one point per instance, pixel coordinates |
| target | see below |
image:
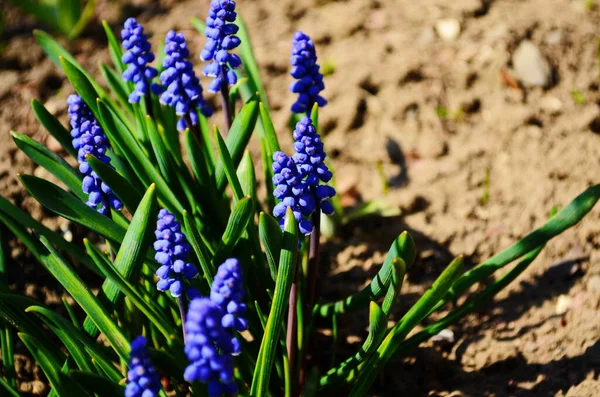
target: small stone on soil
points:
(531, 66)
(448, 29)
(593, 284)
(563, 304)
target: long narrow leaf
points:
(44, 157)
(270, 340)
(67, 206)
(54, 127)
(411, 319)
(132, 253)
(84, 297)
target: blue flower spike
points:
(305, 69)
(221, 39)
(211, 326)
(183, 90)
(89, 139)
(142, 378)
(137, 56)
(209, 348)
(172, 250)
(297, 179)
(228, 292)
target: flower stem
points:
(225, 100)
(183, 306)
(313, 257)
(149, 108)
(292, 335)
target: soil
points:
(440, 129)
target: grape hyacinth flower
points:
(88, 138)
(172, 250)
(292, 192)
(220, 32)
(183, 90)
(309, 157)
(142, 378)
(209, 348)
(309, 80)
(227, 291)
(297, 178)
(137, 56)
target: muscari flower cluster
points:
(143, 380)
(137, 56)
(220, 32)
(88, 138)
(183, 90)
(297, 178)
(210, 325)
(309, 80)
(172, 251)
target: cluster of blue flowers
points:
(88, 138)
(221, 38)
(309, 80)
(143, 380)
(183, 90)
(137, 56)
(210, 326)
(172, 251)
(297, 179)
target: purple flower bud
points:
(309, 80)
(182, 88)
(220, 32)
(142, 378)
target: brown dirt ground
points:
(391, 72)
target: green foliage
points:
(67, 17)
(209, 181)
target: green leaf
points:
(10, 214)
(411, 319)
(208, 200)
(238, 222)
(12, 310)
(55, 51)
(567, 217)
(44, 157)
(132, 253)
(124, 286)
(72, 338)
(285, 277)
(247, 176)
(96, 384)
(473, 304)
(378, 318)
(249, 61)
(45, 12)
(199, 248)
(68, 14)
(116, 85)
(8, 389)
(121, 187)
(81, 83)
(272, 143)
(271, 237)
(60, 383)
(67, 206)
(227, 163)
(54, 127)
(69, 279)
(114, 48)
(138, 159)
(403, 247)
(237, 140)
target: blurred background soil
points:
(472, 117)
